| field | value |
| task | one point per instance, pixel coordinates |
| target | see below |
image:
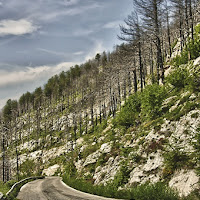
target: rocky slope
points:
(153, 137)
(162, 149)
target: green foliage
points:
(152, 98)
(70, 169)
(124, 151)
(191, 50)
(157, 191)
(102, 159)
(180, 111)
(4, 187)
(100, 127)
(89, 150)
(121, 178)
(173, 160)
(183, 78)
(28, 168)
(9, 109)
(179, 78)
(195, 195)
(129, 113)
(197, 29)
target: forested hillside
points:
(128, 119)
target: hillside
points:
(107, 129)
(153, 138)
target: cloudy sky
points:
(43, 37)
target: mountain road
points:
(52, 188)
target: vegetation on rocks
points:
(107, 134)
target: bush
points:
(173, 160)
(157, 191)
(152, 98)
(70, 169)
(4, 187)
(179, 78)
(129, 112)
(191, 50)
(29, 168)
(121, 178)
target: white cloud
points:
(78, 53)
(83, 32)
(67, 2)
(52, 52)
(55, 14)
(98, 48)
(20, 81)
(114, 24)
(30, 74)
(19, 27)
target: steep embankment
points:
(154, 138)
(150, 145)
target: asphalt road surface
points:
(52, 188)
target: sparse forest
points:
(127, 86)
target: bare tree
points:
(150, 11)
(132, 32)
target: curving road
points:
(52, 188)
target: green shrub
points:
(152, 98)
(179, 78)
(4, 187)
(157, 191)
(121, 178)
(129, 112)
(173, 160)
(70, 169)
(197, 29)
(102, 159)
(195, 82)
(191, 50)
(28, 168)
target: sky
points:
(41, 38)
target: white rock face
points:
(106, 173)
(155, 160)
(166, 101)
(92, 158)
(175, 106)
(152, 135)
(51, 170)
(79, 141)
(140, 174)
(177, 49)
(136, 175)
(1, 195)
(184, 182)
(34, 155)
(197, 62)
(79, 165)
(28, 145)
(106, 148)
